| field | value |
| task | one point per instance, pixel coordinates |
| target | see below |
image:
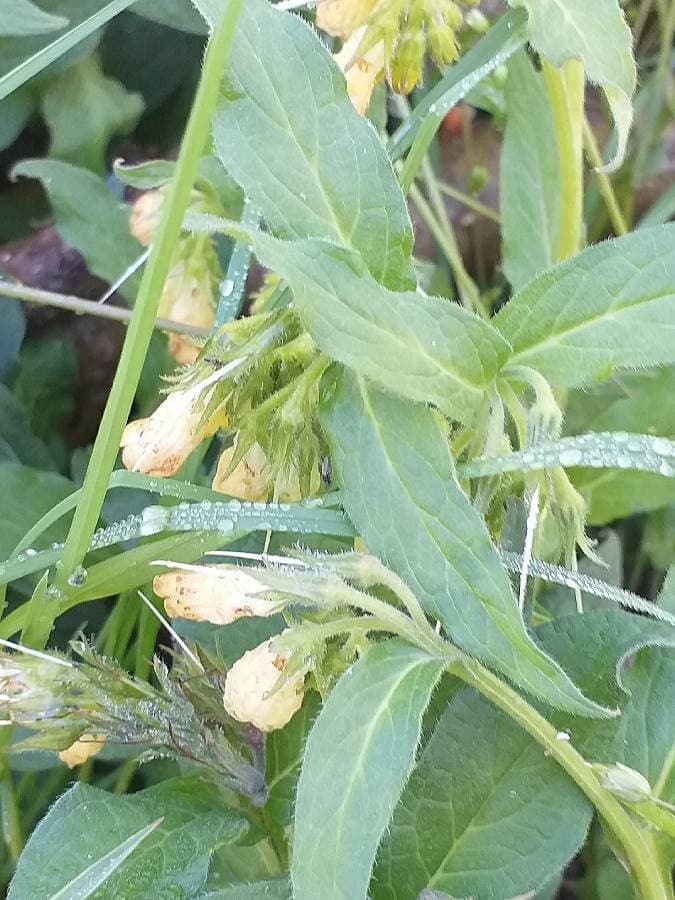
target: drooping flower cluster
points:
(390, 37)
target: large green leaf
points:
(424, 348)
(110, 110)
(18, 443)
(358, 757)
(19, 18)
(529, 187)
(288, 133)
(598, 35)
(86, 824)
(394, 466)
(475, 818)
(27, 494)
(644, 404)
(610, 307)
(179, 14)
(88, 217)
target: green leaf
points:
(26, 495)
(530, 183)
(274, 889)
(19, 18)
(12, 334)
(17, 441)
(285, 750)
(288, 133)
(93, 877)
(394, 465)
(358, 757)
(39, 617)
(110, 110)
(593, 648)
(179, 14)
(597, 35)
(87, 824)
(475, 818)
(88, 217)
(15, 113)
(22, 58)
(610, 307)
(424, 348)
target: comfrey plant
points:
(391, 665)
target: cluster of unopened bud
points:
(392, 36)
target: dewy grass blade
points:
(56, 49)
(142, 322)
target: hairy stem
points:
(616, 216)
(141, 326)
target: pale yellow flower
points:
(248, 480)
(160, 444)
(342, 17)
(187, 298)
(144, 217)
(362, 73)
(248, 686)
(82, 750)
(217, 594)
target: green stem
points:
(605, 186)
(565, 87)
(139, 334)
(482, 209)
(633, 840)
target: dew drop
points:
(153, 519)
(77, 577)
(227, 288)
(570, 457)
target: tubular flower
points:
(187, 298)
(361, 72)
(144, 217)
(82, 750)
(160, 444)
(249, 480)
(218, 594)
(249, 685)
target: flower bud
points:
(82, 750)
(249, 685)
(341, 18)
(406, 64)
(625, 783)
(217, 594)
(193, 305)
(27, 688)
(442, 41)
(249, 478)
(362, 73)
(160, 444)
(144, 217)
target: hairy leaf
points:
(358, 757)
(610, 307)
(88, 217)
(598, 35)
(475, 818)
(529, 181)
(394, 465)
(86, 824)
(274, 889)
(288, 133)
(424, 348)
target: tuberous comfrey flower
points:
(249, 479)
(362, 72)
(82, 749)
(27, 688)
(253, 691)
(217, 594)
(160, 444)
(403, 30)
(144, 217)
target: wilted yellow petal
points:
(248, 480)
(82, 750)
(160, 444)
(248, 686)
(217, 594)
(144, 217)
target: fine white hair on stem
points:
(131, 270)
(38, 654)
(532, 520)
(172, 631)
